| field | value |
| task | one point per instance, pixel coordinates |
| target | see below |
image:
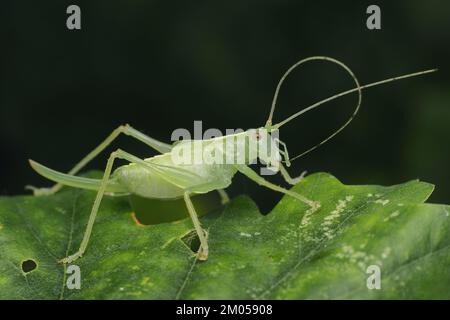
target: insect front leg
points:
(245, 170)
(288, 178)
(125, 129)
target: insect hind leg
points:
(123, 129)
(202, 233)
(118, 154)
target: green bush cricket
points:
(162, 178)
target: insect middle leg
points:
(125, 129)
(202, 234)
(263, 182)
(224, 198)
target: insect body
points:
(163, 177)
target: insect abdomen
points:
(146, 184)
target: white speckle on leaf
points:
(329, 235)
(383, 202)
(257, 233)
(60, 210)
(369, 195)
(252, 293)
(335, 214)
(378, 195)
(360, 258)
(386, 252)
(307, 217)
(308, 238)
(146, 281)
(392, 215)
(243, 234)
(121, 289)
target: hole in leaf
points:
(192, 241)
(28, 265)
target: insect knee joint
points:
(124, 128)
(116, 153)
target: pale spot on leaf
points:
(392, 215)
(383, 202)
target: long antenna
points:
(359, 88)
(295, 65)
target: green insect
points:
(161, 177)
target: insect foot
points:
(296, 180)
(40, 191)
(202, 253)
(70, 259)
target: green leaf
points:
(292, 253)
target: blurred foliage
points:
(160, 65)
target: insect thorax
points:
(240, 148)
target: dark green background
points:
(160, 65)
